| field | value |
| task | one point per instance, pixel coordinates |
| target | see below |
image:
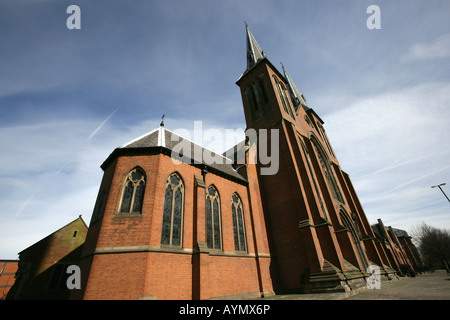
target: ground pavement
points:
(429, 286)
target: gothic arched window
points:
(133, 192)
(257, 98)
(352, 227)
(283, 96)
(238, 223)
(213, 237)
(324, 162)
(172, 225)
(314, 178)
(325, 138)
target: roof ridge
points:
(189, 151)
(54, 232)
(203, 147)
(138, 138)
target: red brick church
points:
(167, 225)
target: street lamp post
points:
(439, 186)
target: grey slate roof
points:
(401, 233)
(165, 141)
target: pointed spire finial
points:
(296, 96)
(254, 52)
(161, 135)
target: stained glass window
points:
(177, 211)
(238, 224)
(209, 240)
(172, 226)
(138, 197)
(167, 216)
(327, 171)
(213, 226)
(235, 228)
(133, 192)
(216, 224)
(126, 198)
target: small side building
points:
(42, 267)
(402, 254)
(410, 250)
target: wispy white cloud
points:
(393, 146)
(49, 175)
(394, 126)
(394, 166)
(50, 172)
(438, 48)
(419, 178)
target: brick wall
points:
(129, 261)
(8, 270)
(116, 276)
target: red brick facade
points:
(8, 270)
(304, 227)
(126, 249)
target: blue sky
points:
(69, 97)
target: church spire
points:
(254, 52)
(297, 97)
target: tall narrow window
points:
(257, 98)
(253, 105)
(283, 96)
(238, 223)
(262, 88)
(213, 233)
(324, 162)
(325, 138)
(133, 192)
(172, 226)
(314, 179)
